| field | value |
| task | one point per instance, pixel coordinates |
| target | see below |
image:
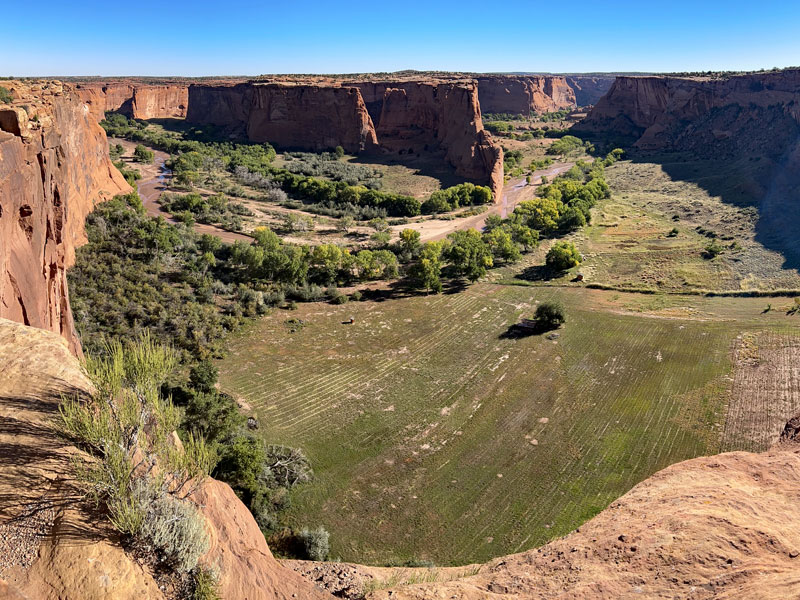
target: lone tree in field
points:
(563, 256)
(550, 315)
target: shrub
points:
(550, 315)
(175, 528)
(126, 427)
(713, 249)
(316, 543)
(206, 585)
(142, 154)
(5, 95)
(562, 256)
(356, 296)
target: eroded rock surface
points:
(58, 549)
(524, 94)
(713, 527)
(54, 168)
(136, 100)
(758, 112)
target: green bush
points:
(127, 425)
(550, 315)
(562, 256)
(142, 154)
(206, 585)
(316, 543)
(5, 95)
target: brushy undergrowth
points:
(138, 471)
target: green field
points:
(435, 436)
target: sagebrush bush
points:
(316, 543)
(176, 529)
(206, 584)
(136, 471)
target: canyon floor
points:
(394, 409)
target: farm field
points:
(436, 436)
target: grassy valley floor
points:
(436, 435)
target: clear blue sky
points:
(285, 36)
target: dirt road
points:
(515, 191)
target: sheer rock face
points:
(757, 112)
(392, 116)
(139, 101)
(54, 168)
(589, 89)
(524, 94)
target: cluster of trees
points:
(452, 198)
(512, 161)
(269, 260)
(140, 275)
(194, 162)
(213, 210)
(142, 154)
(322, 191)
(566, 144)
(331, 165)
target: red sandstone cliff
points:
(758, 112)
(524, 94)
(421, 117)
(309, 117)
(54, 167)
(139, 101)
(395, 116)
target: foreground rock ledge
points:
(51, 548)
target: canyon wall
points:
(139, 101)
(588, 89)
(757, 112)
(54, 168)
(524, 94)
(401, 117)
(308, 117)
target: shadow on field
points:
(517, 331)
(539, 273)
(757, 167)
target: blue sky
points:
(250, 38)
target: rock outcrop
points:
(588, 89)
(524, 94)
(139, 101)
(424, 117)
(401, 117)
(757, 112)
(52, 546)
(308, 117)
(54, 168)
(714, 527)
